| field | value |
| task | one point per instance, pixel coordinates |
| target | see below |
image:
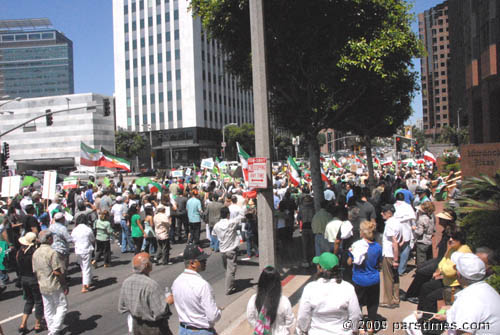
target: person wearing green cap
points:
(328, 305)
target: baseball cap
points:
(326, 260)
(28, 239)
(194, 252)
(469, 265)
(388, 207)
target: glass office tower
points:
(35, 59)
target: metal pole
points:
(265, 207)
(151, 146)
(170, 147)
(224, 141)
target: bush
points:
(482, 229)
(494, 280)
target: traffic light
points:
(48, 118)
(399, 144)
(107, 107)
(3, 161)
(6, 150)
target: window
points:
(136, 82)
(158, 38)
(126, 27)
(179, 115)
(153, 116)
(169, 95)
(151, 59)
(444, 98)
(150, 40)
(151, 79)
(22, 37)
(170, 115)
(445, 116)
(167, 17)
(127, 64)
(143, 80)
(160, 58)
(176, 14)
(135, 63)
(425, 110)
(443, 90)
(127, 83)
(141, 23)
(143, 42)
(162, 117)
(441, 38)
(144, 101)
(134, 26)
(141, 5)
(167, 36)
(150, 21)
(169, 75)
(160, 97)
(152, 98)
(178, 94)
(134, 44)
(441, 47)
(134, 8)
(143, 61)
(34, 36)
(158, 19)
(440, 30)
(177, 74)
(168, 56)
(126, 46)
(125, 9)
(177, 54)
(176, 34)
(160, 77)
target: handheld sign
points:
(49, 185)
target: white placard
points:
(177, 173)
(49, 185)
(257, 177)
(207, 163)
(10, 186)
(188, 171)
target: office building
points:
(170, 80)
(433, 31)
(475, 40)
(37, 146)
(35, 59)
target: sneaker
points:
(170, 263)
(390, 306)
(246, 259)
(413, 300)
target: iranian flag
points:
(323, 176)
(387, 162)
(70, 182)
(377, 161)
(428, 156)
(293, 171)
(244, 161)
(337, 164)
(89, 156)
(110, 161)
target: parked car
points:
(85, 174)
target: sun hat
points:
(445, 216)
(326, 260)
(28, 239)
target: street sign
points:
(257, 177)
(223, 144)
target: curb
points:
(236, 321)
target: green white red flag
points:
(111, 161)
(95, 157)
(89, 156)
(244, 161)
(293, 171)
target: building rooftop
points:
(24, 24)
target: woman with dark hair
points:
(268, 311)
(328, 303)
(150, 245)
(137, 231)
(445, 276)
(423, 230)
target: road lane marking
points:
(11, 318)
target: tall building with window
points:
(170, 80)
(433, 31)
(35, 59)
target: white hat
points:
(58, 216)
(469, 265)
(28, 239)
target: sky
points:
(89, 24)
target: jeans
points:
(149, 245)
(194, 230)
(138, 244)
(55, 306)
(185, 331)
(321, 244)
(127, 244)
(403, 258)
(307, 245)
(214, 243)
(4, 277)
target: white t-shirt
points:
(476, 305)
(392, 228)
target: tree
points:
(129, 144)
(309, 45)
(454, 135)
(419, 136)
(245, 135)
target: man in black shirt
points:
(30, 222)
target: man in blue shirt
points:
(89, 194)
(408, 195)
(194, 210)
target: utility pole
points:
(267, 227)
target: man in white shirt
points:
(476, 309)
(193, 296)
(226, 232)
(83, 238)
(391, 240)
(406, 215)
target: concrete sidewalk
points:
(234, 321)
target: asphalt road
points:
(96, 312)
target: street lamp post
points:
(8, 101)
(150, 128)
(224, 138)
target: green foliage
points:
(450, 159)
(482, 229)
(452, 135)
(480, 194)
(418, 135)
(452, 166)
(245, 135)
(494, 280)
(321, 139)
(128, 144)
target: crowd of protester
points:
(358, 235)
